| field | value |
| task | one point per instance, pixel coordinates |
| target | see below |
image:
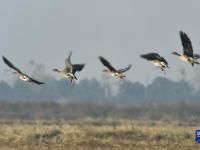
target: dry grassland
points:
(97, 135)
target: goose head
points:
(175, 53)
(56, 70)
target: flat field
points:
(97, 135)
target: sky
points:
(120, 30)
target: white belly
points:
(183, 58)
(68, 76)
(24, 78)
(156, 63)
(114, 74)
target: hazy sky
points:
(46, 30)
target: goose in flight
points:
(156, 60)
(111, 70)
(20, 74)
(188, 56)
(70, 69)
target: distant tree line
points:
(180, 112)
(161, 89)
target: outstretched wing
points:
(150, 56)
(106, 63)
(68, 59)
(187, 44)
(6, 61)
(35, 81)
(68, 63)
(124, 69)
(77, 67)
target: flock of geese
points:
(159, 61)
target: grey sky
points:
(45, 31)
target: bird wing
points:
(10, 64)
(35, 81)
(106, 63)
(68, 68)
(187, 44)
(13, 67)
(68, 63)
(77, 67)
(150, 56)
(124, 69)
(68, 59)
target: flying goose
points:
(111, 70)
(20, 74)
(156, 60)
(188, 56)
(70, 69)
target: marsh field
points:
(98, 126)
(96, 134)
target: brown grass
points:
(91, 135)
